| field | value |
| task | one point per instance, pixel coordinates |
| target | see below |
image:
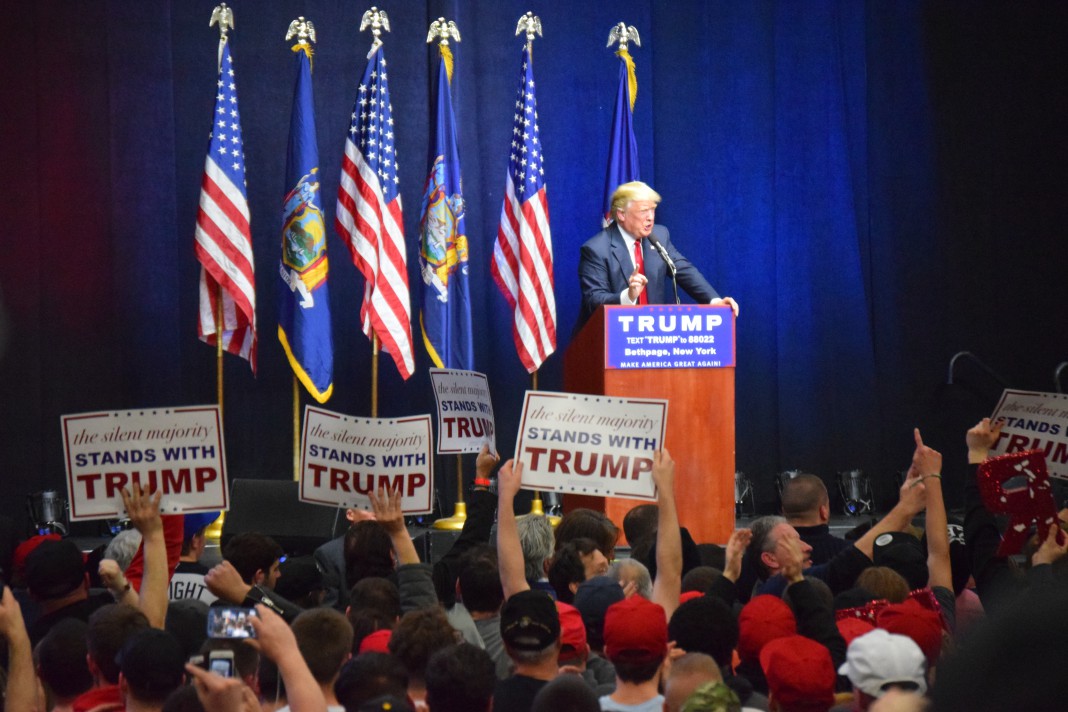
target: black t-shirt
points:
(824, 544)
(516, 693)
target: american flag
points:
(523, 254)
(369, 218)
(223, 237)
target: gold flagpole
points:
(441, 32)
(537, 506)
(296, 430)
(214, 529)
(219, 353)
(461, 506)
(459, 513)
(374, 376)
(224, 17)
(304, 31)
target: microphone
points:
(662, 252)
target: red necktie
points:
(639, 262)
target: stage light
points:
(48, 512)
(744, 502)
(554, 506)
(855, 488)
(784, 477)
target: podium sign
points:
(701, 436)
(668, 336)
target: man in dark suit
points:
(330, 558)
(612, 271)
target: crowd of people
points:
(785, 616)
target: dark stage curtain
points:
(879, 185)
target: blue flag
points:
(443, 256)
(623, 149)
(304, 304)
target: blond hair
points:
(629, 192)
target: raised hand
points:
(508, 480)
(791, 558)
(736, 546)
(663, 471)
(925, 460)
(143, 509)
(485, 463)
(636, 284)
(981, 438)
(386, 504)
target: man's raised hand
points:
(636, 285)
(981, 438)
(508, 480)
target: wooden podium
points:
(700, 426)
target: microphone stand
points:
(669, 262)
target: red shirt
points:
(99, 699)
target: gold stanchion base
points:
(213, 532)
(456, 521)
(537, 506)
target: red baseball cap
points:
(635, 630)
(852, 628)
(921, 624)
(689, 596)
(24, 549)
(762, 620)
(377, 642)
(573, 645)
(800, 673)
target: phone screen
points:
(222, 666)
(230, 623)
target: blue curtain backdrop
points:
(879, 185)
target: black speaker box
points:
(432, 544)
(273, 507)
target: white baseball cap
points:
(879, 659)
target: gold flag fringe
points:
(632, 77)
(446, 57)
(307, 49)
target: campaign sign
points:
(343, 459)
(668, 336)
(1034, 421)
(465, 411)
(177, 451)
(594, 445)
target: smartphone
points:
(230, 623)
(221, 662)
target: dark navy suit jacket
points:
(606, 264)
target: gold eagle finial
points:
(443, 31)
(224, 18)
(622, 33)
(377, 20)
(302, 29)
(529, 24)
